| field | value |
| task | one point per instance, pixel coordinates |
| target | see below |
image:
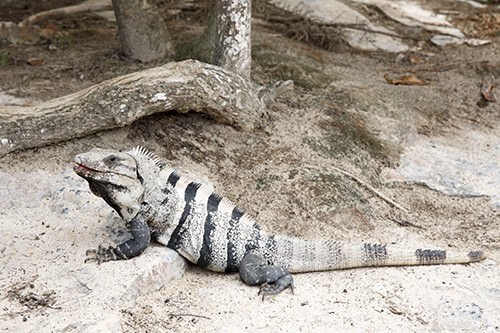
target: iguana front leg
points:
(272, 279)
(141, 237)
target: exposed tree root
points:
(181, 86)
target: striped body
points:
(201, 225)
(213, 233)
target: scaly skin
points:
(210, 231)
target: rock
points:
(6, 99)
(442, 40)
(413, 14)
(335, 12)
(466, 165)
(59, 212)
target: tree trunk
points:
(143, 33)
(184, 86)
(232, 41)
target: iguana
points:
(210, 231)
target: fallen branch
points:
(372, 189)
(368, 186)
(181, 86)
(27, 30)
(406, 223)
(84, 7)
(188, 315)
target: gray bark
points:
(184, 86)
(143, 33)
(232, 41)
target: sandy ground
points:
(341, 113)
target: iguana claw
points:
(277, 286)
(102, 254)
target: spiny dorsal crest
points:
(142, 153)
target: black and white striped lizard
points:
(211, 232)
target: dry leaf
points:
(35, 61)
(416, 58)
(487, 89)
(50, 31)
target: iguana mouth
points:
(86, 172)
(83, 169)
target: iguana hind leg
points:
(254, 270)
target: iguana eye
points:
(111, 159)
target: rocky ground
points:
(434, 149)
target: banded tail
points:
(299, 255)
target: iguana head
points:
(113, 176)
